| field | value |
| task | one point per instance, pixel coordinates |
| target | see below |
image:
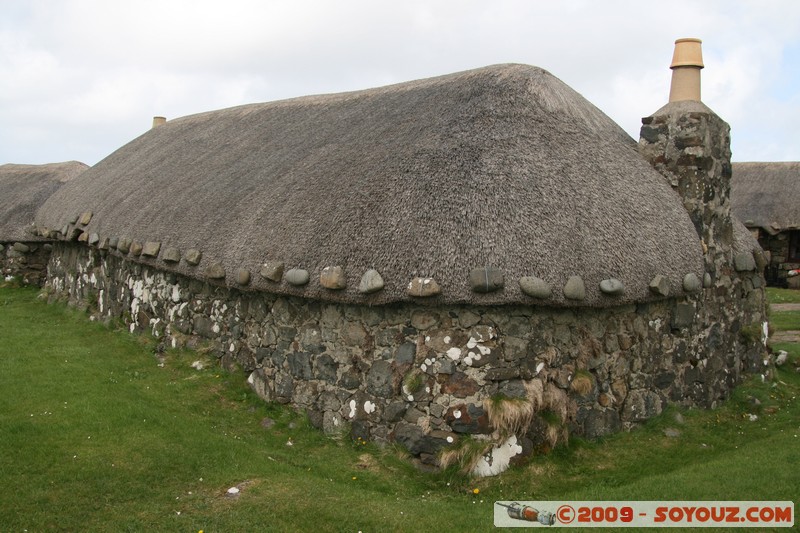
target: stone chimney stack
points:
(690, 145)
(159, 121)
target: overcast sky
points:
(80, 78)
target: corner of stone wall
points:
(690, 146)
(25, 261)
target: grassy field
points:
(100, 434)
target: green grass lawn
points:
(783, 296)
(99, 434)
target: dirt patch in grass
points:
(785, 336)
(785, 307)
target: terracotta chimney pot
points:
(687, 60)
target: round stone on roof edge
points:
(691, 282)
(124, 245)
(272, 270)
(297, 276)
(193, 256)
(423, 287)
(333, 278)
(371, 282)
(215, 271)
(486, 279)
(612, 287)
(535, 287)
(151, 248)
(171, 255)
(659, 285)
(243, 276)
(574, 289)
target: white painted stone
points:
(498, 458)
(454, 353)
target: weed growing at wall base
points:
(96, 436)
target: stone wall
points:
(780, 262)
(428, 377)
(26, 261)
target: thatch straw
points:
(23, 189)
(503, 166)
(767, 195)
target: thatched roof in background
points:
(743, 240)
(23, 189)
(503, 166)
(767, 195)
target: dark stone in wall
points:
(379, 379)
(300, 365)
(325, 368)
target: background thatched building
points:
(766, 197)
(23, 189)
(481, 253)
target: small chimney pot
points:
(159, 121)
(687, 60)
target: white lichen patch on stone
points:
(449, 440)
(498, 458)
(457, 413)
(369, 407)
(764, 332)
(539, 367)
(470, 357)
(446, 339)
(423, 367)
(352, 409)
(454, 353)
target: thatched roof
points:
(23, 188)
(503, 166)
(767, 195)
(743, 240)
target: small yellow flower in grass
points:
(354, 478)
(476, 491)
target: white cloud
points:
(82, 77)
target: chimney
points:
(690, 146)
(687, 60)
(159, 121)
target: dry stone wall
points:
(427, 377)
(25, 261)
